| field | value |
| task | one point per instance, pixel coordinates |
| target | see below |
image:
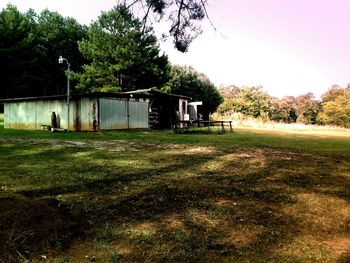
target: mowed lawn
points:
(147, 196)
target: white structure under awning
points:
(193, 109)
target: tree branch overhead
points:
(184, 15)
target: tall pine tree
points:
(123, 55)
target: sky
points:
(289, 47)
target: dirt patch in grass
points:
(32, 227)
(111, 145)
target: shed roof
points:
(77, 96)
(142, 93)
(154, 91)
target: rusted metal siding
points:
(86, 115)
(43, 111)
(35, 113)
(32, 114)
(13, 113)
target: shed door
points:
(113, 114)
(138, 114)
(122, 114)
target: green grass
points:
(150, 196)
(322, 142)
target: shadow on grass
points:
(183, 210)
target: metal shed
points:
(85, 112)
(165, 109)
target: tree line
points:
(117, 52)
(332, 109)
(29, 48)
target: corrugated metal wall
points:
(33, 114)
(113, 114)
(138, 114)
(83, 114)
(122, 114)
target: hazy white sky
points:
(289, 47)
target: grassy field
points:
(253, 195)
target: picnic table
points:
(201, 123)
